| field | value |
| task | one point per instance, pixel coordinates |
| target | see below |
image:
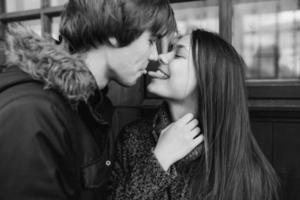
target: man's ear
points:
(113, 41)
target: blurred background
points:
(267, 35)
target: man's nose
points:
(154, 54)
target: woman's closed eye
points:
(178, 56)
(180, 51)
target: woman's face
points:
(176, 77)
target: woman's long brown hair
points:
(232, 166)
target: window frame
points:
(44, 14)
(262, 89)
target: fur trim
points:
(52, 64)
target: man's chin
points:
(152, 88)
(127, 83)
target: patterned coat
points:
(137, 175)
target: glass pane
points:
(34, 25)
(266, 33)
(198, 14)
(55, 27)
(17, 5)
(58, 2)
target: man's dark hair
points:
(85, 24)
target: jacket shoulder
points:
(31, 109)
(33, 131)
(32, 94)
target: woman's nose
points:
(163, 59)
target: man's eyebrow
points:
(153, 37)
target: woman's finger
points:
(198, 140)
(194, 133)
(193, 124)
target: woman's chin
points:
(154, 88)
(151, 87)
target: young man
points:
(54, 141)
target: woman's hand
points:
(177, 140)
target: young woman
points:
(202, 75)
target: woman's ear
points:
(113, 41)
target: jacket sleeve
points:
(137, 175)
(36, 158)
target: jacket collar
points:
(52, 64)
(161, 120)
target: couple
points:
(54, 130)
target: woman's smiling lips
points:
(159, 73)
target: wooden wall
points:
(275, 120)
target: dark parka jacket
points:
(54, 141)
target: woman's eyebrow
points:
(180, 47)
(177, 47)
(173, 42)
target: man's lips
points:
(159, 73)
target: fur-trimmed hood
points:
(48, 62)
